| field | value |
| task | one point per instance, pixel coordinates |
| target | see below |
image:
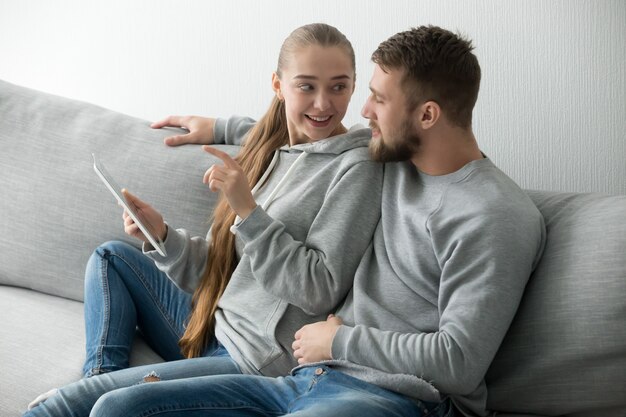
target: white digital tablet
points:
(131, 209)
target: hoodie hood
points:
(357, 137)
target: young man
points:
(439, 285)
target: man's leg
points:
(333, 393)
(223, 396)
(77, 399)
(311, 392)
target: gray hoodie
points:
(299, 249)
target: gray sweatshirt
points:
(299, 249)
(438, 288)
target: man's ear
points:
(276, 86)
(429, 114)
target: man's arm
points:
(483, 278)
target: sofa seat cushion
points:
(565, 353)
(42, 346)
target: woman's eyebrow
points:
(313, 77)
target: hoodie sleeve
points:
(186, 258)
(486, 261)
(315, 275)
(232, 131)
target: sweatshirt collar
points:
(356, 137)
(456, 175)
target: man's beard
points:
(400, 145)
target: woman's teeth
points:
(318, 119)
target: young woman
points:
(279, 255)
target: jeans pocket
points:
(441, 409)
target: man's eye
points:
(375, 98)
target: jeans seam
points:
(201, 406)
(105, 325)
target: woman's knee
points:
(117, 248)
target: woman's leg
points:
(124, 289)
(77, 399)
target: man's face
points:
(394, 136)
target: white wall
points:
(551, 112)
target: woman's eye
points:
(339, 87)
(305, 87)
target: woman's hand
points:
(314, 341)
(200, 130)
(149, 217)
(232, 181)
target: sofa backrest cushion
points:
(565, 353)
(54, 210)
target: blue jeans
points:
(313, 391)
(124, 290)
(78, 399)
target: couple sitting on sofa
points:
(422, 260)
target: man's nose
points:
(365, 110)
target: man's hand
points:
(200, 130)
(314, 341)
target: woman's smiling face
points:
(316, 85)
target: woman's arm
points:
(186, 256)
(200, 130)
(206, 130)
(315, 275)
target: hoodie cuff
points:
(173, 243)
(339, 346)
(252, 226)
(219, 131)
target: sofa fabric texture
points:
(564, 355)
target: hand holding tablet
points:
(137, 210)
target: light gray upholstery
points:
(566, 350)
(564, 355)
(54, 212)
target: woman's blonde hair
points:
(269, 134)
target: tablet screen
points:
(116, 190)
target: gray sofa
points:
(565, 354)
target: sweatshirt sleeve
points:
(186, 258)
(486, 262)
(232, 131)
(315, 275)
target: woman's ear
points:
(429, 114)
(276, 86)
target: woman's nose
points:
(322, 101)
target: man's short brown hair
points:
(438, 66)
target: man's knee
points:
(111, 404)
